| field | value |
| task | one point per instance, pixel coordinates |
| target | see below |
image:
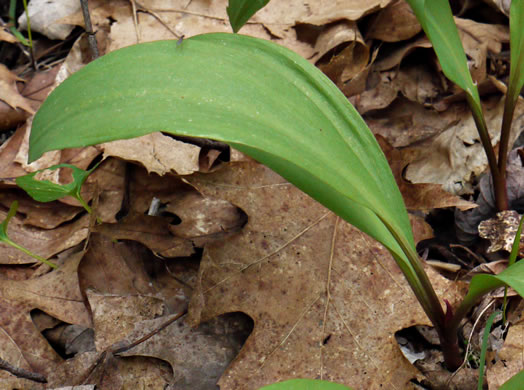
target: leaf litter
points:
(310, 283)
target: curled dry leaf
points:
(158, 153)
(455, 157)
(312, 285)
(56, 293)
(9, 92)
(510, 360)
(419, 196)
(198, 356)
(396, 22)
(46, 243)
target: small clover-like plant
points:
(5, 238)
(47, 191)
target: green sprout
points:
(5, 238)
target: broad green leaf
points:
(436, 19)
(5, 238)
(515, 383)
(516, 73)
(305, 384)
(46, 191)
(512, 276)
(260, 98)
(239, 11)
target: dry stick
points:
(21, 373)
(89, 30)
(141, 8)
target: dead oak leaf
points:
(326, 299)
(419, 196)
(9, 93)
(56, 293)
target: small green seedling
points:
(239, 11)
(436, 19)
(273, 105)
(5, 238)
(46, 191)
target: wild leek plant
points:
(271, 104)
(437, 21)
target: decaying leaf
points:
(500, 231)
(511, 360)
(9, 93)
(198, 356)
(158, 153)
(421, 196)
(313, 285)
(455, 156)
(396, 22)
(45, 243)
(56, 293)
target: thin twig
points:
(89, 30)
(22, 373)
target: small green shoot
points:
(484, 348)
(46, 191)
(5, 238)
(239, 11)
(12, 20)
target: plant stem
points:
(28, 252)
(33, 62)
(505, 131)
(499, 179)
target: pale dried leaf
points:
(56, 293)
(396, 22)
(278, 269)
(44, 16)
(9, 92)
(158, 153)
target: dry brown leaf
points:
(198, 356)
(158, 153)
(42, 215)
(511, 359)
(395, 56)
(114, 316)
(396, 22)
(313, 285)
(56, 293)
(500, 231)
(419, 196)
(150, 231)
(342, 33)
(6, 36)
(455, 156)
(9, 92)
(9, 169)
(127, 268)
(45, 243)
(111, 373)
